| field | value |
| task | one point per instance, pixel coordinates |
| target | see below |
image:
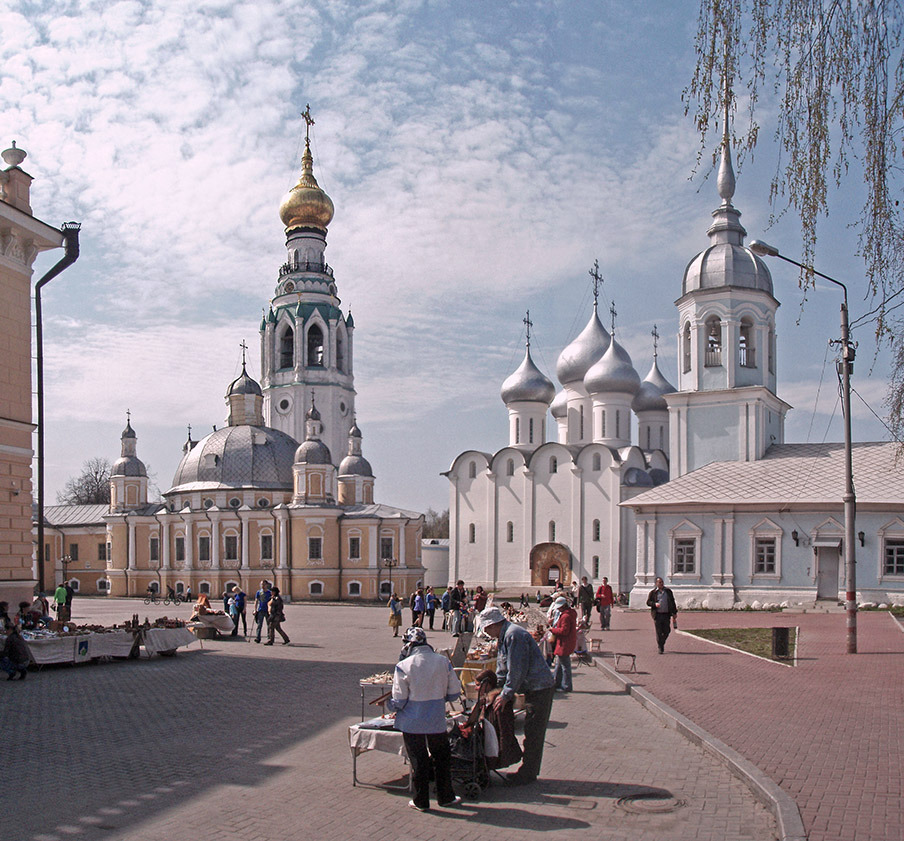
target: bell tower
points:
(306, 339)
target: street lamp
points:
(850, 500)
(389, 563)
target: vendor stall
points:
(165, 640)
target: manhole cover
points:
(646, 804)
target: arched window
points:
(617, 423)
(340, 352)
(771, 351)
(385, 589)
(472, 533)
(315, 588)
(287, 348)
(597, 461)
(517, 430)
(713, 342)
(315, 347)
(746, 355)
(530, 431)
(472, 470)
(552, 531)
(603, 424)
(649, 430)
(204, 587)
(354, 588)
(686, 348)
(509, 532)
(582, 423)
(596, 566)
(153, 586)
(661, 437)
(510, 467)
(553, 465)
(596, 530)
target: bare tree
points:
(436, 524)
(90, 487)
(836, 70)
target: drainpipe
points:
(70, 244)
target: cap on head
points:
(415, 636)
(560, 602)
(490, 616)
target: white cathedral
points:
(707, 496)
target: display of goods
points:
(382, 677)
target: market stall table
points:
(165, 640)
(366, 737)
(218, 622)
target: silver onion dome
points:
(313, 452)
(243, 384)
(238, 457)
(649, 398)
(578, 357)
(355, 466)
(528, 384)
(128, 466)
(559, 407)
(613, 373)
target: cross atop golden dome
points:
(306, 205)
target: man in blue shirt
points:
(261, 605)
(521, 668)
(238, 598)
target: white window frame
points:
(233, 533)
(204, 587)
(315, 583)
(260, 543)
(355, 584)
(103, 585)
(686, 530)
(354, 535)
(766, 529)
(890, 531)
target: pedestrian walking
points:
(422, 684)
(458, 604)
(261, 607)
(418, 608)
(276, 616)
(520, 668)
(446, 605)
(395, 614)
(605, 598)
(432, 601)
(662, 605)
(239, 607)
(585, 599)
(59, 602)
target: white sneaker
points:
(414, 805)
(453, 802)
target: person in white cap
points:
(422, 683)
(520, 668)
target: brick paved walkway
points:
(240, 742)
(830, 731)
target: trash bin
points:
(781, 642)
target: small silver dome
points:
(128, 432)
(243, 384)
(128, 466)
(649, 397)
(355, 466)
(726, 264)
(559, 407)
(313, 452)
(239, 457)
(528, 383)
(583, 352)
(613, 373)
(354, 432)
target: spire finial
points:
(726, 178)
(613, 312)
(309, 121)
(655, 335)
(189, 432)
(128, 417)
(528, 324)
(244, 347)
(597, 282)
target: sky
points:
(480, 156)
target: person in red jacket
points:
(565, 634)
(604, 601)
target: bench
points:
(596, 648)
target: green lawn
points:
(752, 640)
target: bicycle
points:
(169, 598)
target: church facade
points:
(283, 491)
(706, 494)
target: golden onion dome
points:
(306, 205)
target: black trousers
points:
(663, 628)
(422, 748)
(235, 630)
(537, 707)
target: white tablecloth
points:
(389, 741)
(165, 639)
(223, 624)
(115, 644)
(53, 650)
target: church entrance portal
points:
(549, 564)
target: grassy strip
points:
(756, 641)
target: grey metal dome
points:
(649, 397)
(355, 466)
(243, 384)
(528, 383)
(354, 432)
(726, 264)
(239, 457)
(578, 357)
(313, 452)
(128, 432)
(613, 373)
(559, 407)
(128, 466)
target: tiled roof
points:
(377, 510)
(790, 474)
